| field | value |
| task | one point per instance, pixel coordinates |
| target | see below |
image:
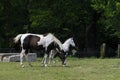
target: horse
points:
(66, 47)
(48, 42)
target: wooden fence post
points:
(102, 50)
(118, 51)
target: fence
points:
(103, 50)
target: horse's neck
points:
(57, 41)
(48, 39)
(66, 46)
(51, 38)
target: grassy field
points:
(76, 69)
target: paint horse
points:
(47, 42)
(66, 47)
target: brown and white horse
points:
(48, 42)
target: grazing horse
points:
(66, 47)
(47, 42)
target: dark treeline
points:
(89, 22)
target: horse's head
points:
(62, 56)
(71, 42)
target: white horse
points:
(66, 47)
(47, 42)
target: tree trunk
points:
(91, 35)
(102, 50)
(118, 51)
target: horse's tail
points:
(17, 38)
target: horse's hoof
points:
(45, 65)
(64, 65)
(23, 66)
(54, 62)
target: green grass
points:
(76, 69)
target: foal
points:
(48, 42)
(66, 47)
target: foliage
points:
(90, 22)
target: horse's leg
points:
(66, 53)
(21, 57)
(50, 56)
(45, 59)
(27, 58)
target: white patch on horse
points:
(67, 44)
(47, 40)
(23, 37)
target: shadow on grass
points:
(56, 66)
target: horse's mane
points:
(68, 40)
(56, 40)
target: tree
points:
(90, 22)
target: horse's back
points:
(34, 40)
(30, 41)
